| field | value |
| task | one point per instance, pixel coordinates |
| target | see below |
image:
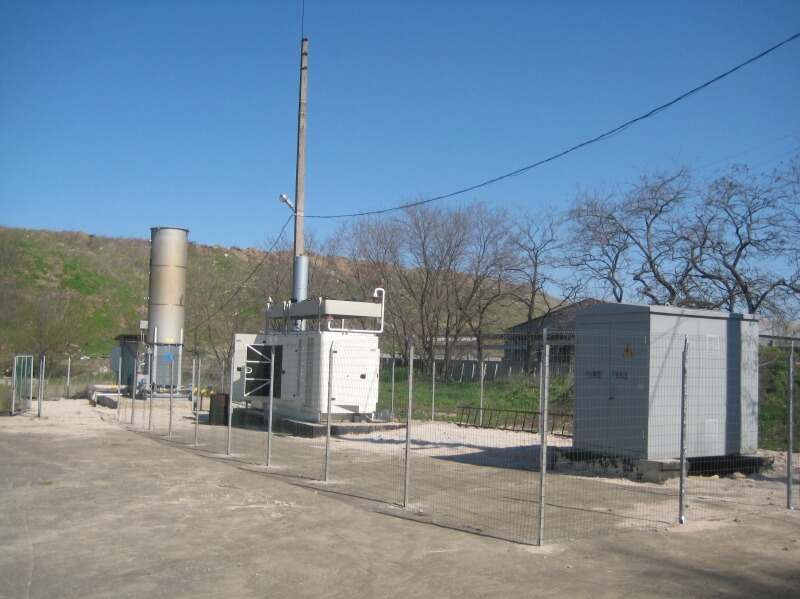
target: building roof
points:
(779, 329)
(562, 319)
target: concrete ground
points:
(89, 509)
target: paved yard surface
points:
(89, 509)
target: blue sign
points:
(168, 357)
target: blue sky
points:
(116, 116)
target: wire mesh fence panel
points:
(752, 474)
(582, 505)
(366, 449)
(474, 478)
(473, 464)
(619, 405)
(369, 464)
(125, 410)
(212, 439)
(641, 401)
(182, 419)
(160, 415)
(80, 412)
(56, 377)
(607, 474)
(295, 456)
(210, 427)
(249, 442)
(392, 388)
(248, 433)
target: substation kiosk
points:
(313, 350)
(629, 382)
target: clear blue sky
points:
(116, 116)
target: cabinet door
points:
(611, 388)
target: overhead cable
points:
(250, 276)
(601, 137)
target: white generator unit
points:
(629, 381)
(313, 351)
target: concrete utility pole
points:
(300, 260)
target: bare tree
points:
(486, 263)
(729, 245)
(745, 254)
(426, 268)
(599, 248)
(220, 303)
(328, 275)
(50, 324)
(539, 273)
(652, 216)
(373, 249)
(636, 236)
(442, 268)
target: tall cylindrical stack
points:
(167, 304)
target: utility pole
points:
(300, 259)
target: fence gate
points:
(22, 393)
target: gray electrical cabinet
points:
(629, 380)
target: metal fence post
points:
(481, 385)
(199, 399)
(271, 397)
(30, 388)
(119, 386)
(408, 420)
(144, 395)
(433, 391)
(14, 375)
(171, 384)
(393, 361)
(684, 469)
(544, 384)
(133, 389)
(151, 389)
(230, 411)
(69, 370)
(790, 449)
(41, 384)
(328, 419)
(192, 397)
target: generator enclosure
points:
(309, 367)
(317, 357)
(630, 376)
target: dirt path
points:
(91, 510)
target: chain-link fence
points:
(601, 431)
(16, 389)
(33, 381)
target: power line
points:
(250, 276)
(599, 138)
(795, 134)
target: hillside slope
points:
(71, 293)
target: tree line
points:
(454, 271)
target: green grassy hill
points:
(71, 294)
